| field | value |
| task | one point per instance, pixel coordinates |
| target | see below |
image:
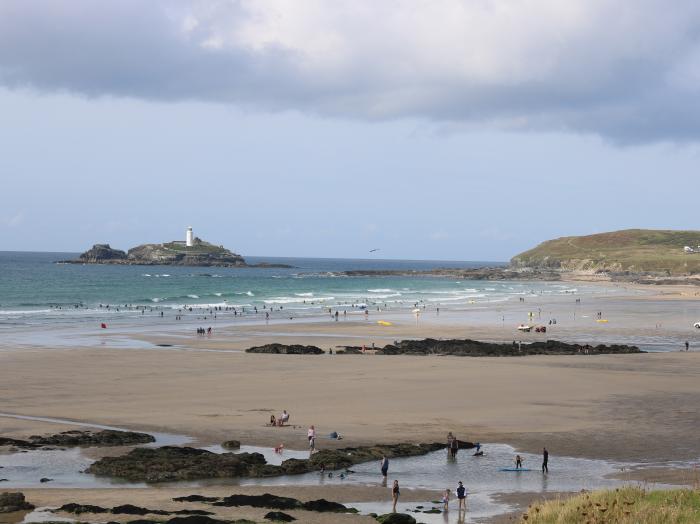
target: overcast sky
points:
(433, 129)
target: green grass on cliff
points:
(630, 505)
(629, 250)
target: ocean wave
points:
(25, 311)
(304, 294)
(218, 294)
(193, 296)
(380, 290)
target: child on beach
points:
(445, 500)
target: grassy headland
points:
(633, 250)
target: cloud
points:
(628, 71)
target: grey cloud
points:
(629, 80)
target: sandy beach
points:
(639, 407)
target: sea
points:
(36, 290)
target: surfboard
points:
(515, 469)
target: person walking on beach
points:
(384, 466)
(311, 434)
(545, 459)
(462, 496)
(687, 345)
(395, 492)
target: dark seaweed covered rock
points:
(101, 253)
(396, 518)
(292, 349)
(196, 498)
(106, 437)
(231, 444)
(326, 506)
(266, 500)
(73, 507)
(171, 463)
(11, 502)
(345, 457)
(474, 348)
(278, 516)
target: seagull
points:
(373, 250)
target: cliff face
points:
(632, 250)
(174, 253)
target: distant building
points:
(189, 238)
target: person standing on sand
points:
(518, 462)
(545, 459)
(395, 492)
(462, 496)
(384, 466)
(446, 500)
(311, 434)
(687, 345)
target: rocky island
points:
(192, 251)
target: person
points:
(545, 459)
(273, 420)
(478, 447)
(311, 434)
(284, 418)
(462, 496)
(395, 492)
(384, 466)
(454, 446)
(446, 500)
(518, 462)
(450, 438)
(687, 345)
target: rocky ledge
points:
(473, 348)
(77, 438)
(170, 463)
(461, 348)
(11, 502)
(292, 349)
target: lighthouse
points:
(189, 242)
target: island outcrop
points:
(176, 253)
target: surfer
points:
(518, 462)
(545, 459)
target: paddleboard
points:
(515, 469)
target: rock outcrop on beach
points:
(293, 349)
(473, 348)
(172, 463)
(270, 501)
(125, 509)
(76, 438)
(461, 348)
(396, 518)
(11, 502)
(482, 273)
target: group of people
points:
(202, 331)
(281, 420)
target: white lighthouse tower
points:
(189, 240)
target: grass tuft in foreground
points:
(630, 505)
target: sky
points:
(427, 129)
